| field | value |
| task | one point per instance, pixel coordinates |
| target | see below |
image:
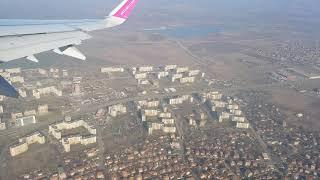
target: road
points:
(272, 161)
(14, 133)
(197, 59)
(87, 109)
(92, 108)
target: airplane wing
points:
(25, 38)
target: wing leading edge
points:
(25, 38)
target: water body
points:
(187, 31)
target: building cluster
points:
(141, 74)
(198, 118)
(219, 154)
(28, 116)
(20, 78)
(156, 116)
(173, 150)
(182, 74)
(295, 149)
(13, 75)
(81, 165)
(37, 93)
(173, 73)
(227, 109)
(294, 52)
(56, 131)
(155, 159)
(23, 144)
(157, 120)
(180, 99)
(50, 73)
(117, 109)
(225, 154)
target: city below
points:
(147, 122)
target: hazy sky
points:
(92, 8)
(258, 10)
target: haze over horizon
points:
(244, 10)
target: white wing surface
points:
(26, 38)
